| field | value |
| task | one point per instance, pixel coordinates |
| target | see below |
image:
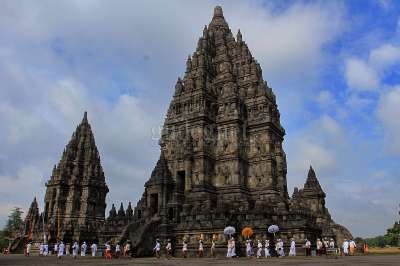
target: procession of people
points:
(262, 248)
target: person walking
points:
(83, 249)
(157, 248)
(75, 249)
(259, 249)
(248, 248)
(184, 249)
(93, 247)
(201, 249)
(107, 254)
(168, 249)
(127, 249)
(56, 248)
(345, 247)
(292, 251)
(212, 249)
(117, 250)
(352, 246)
(28, 249)
(319, 247)
(266, 249)
(229, 249)
(308, 247)
(61, 249)
(67, 248)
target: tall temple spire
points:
(81, 174)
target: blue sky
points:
(332, 64)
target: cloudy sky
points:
(332, 64)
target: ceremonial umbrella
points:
(247, 232)
(272, 229)
(229, 230)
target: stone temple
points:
(221, 163)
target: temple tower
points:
(76, 192)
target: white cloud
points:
(388, 111)
(385, 56)
(360, 76)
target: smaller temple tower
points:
(33, 222)
(311, 201)
(76, 192)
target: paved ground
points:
(374, 260)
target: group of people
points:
(268, 249)
(60, 249)
(262, 248)
(349, 247)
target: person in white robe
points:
(201, 249)
(75, 249)
(83, 249)
(45, 249)
(259, 250)
(168, 248)
(266, 249)
(319, 247)
(212, 249)
(93, 247)
(61, 249)
(292, 251)
(332, 244)
(157, 248)
(233, 247)
(118, 250)
(28, 249)
(56, 248)
(345, 247)
(279, 248)
(248, 248)
(308, 247)
(67, 248)
(229, 251)
(184, 249)
(41, 249)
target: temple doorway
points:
(154, 203)
(180, 181)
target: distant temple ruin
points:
(221, 163)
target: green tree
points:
(392, 236)
(14, 222)
(13, 226)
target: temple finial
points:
(218, 11)
(85, 117)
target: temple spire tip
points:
(218, 11)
